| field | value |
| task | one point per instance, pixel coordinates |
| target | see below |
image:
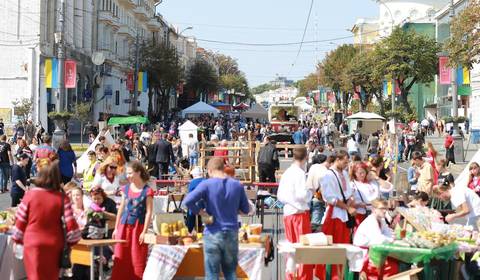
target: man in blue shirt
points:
(224, 198)
(298, 137)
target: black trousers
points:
(16, 198)
(266, 173)
(162, 169)
(153, 169)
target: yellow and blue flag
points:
(142, 81)
(463, 76)
(51, 73)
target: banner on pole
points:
(444, 71)
(51, 73)
(70, 73)
(129, 82)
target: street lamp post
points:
(59, 133)
(185, 29)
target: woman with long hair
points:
(107, 176)
(39, 225)
(67, 161)
(474, 177)
(432, 159)
(364, 191)
(23, 148)
(133, 218)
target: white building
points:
(277, 95)
(108, 26)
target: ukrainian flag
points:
(463, 81)
(142, 81)
(51, 73)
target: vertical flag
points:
(140, 81)
(145, 82)
(51, 73)
(385, 88)
(444, 71)
(466, 76)
(130, 84)
(70, 73)
(389, 88)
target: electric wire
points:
(304, 32)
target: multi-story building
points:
(281, 82)
(106, 29)
(469, 95)
(365, 32)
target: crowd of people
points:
(330, 187)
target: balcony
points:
(154, 25)
(126, 31)
(129, 4)
(107, 17)
(141, 13)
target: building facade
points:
(109, 29)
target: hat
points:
(196, 172)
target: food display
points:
(250, 233)
(421, 218)
(177, 229)
(426, 239)
(7, 220)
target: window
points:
(117, 97)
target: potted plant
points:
(60, 118)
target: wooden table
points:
(83, 253)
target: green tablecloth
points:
(379, 253)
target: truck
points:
(283, 117)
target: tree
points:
(23, 108)
(308, 84)
(408, 58)
(361, 72)
(263, 88)
(226, 64)
(333, 73)
(238, 82)
(82, 113)
(202, 78)
(164, 73)
(463, 45)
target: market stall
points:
(200, 108)
(365, 122)
(256, 112)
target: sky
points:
(269, 22)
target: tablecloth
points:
(11, 268)
(164, 261)
(378, 253)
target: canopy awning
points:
(127, 120)
(365, 116)
(241, 106)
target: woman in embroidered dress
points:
(474, 178)
(134, 216)
(38, 225)
(364, 191)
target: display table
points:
(11, 268)
(83, 253)
(379, 253)
(166, 262)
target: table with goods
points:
(11, 255)
(176, 253)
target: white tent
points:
(82, 161)
(365, 122)
(200, 108)
(184, 130)
(256, 112)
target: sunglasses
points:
(112, 167)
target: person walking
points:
(373, 143)
(67, 161)
(192, 151)
(39, 225)
(425, 174)
(267, 161)
(164, 155)
(449, 145)
(133, 219)
(19, 179)
(6, 161)
(224, 198)
(296, 197)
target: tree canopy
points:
(202, 77)
(463, 45)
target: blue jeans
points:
(221, 250)
(4, 175)
(193, 160)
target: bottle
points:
(18, 251)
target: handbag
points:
(65, 255)
(351, 219)
(368, 211)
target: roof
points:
(127, 120)
(256, 112)
(200, 108)
(188, 125)
(365, 116)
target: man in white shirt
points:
(465, 201)
(338, 195)
(296, 197)
(352, 146)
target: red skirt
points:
(340, 234)
(372, 272)
(296, 225)
(130, 257)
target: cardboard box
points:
(151, 238)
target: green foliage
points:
(226, 64)
(334, 75)
(308, 84)
(238, 82)
(408, 58)
(81, 111)
(463, 45)
(202, 77)
(60, 116)
(450, 119)
(23, 108)
(262, 88)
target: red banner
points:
(444, 71)
(70, 73)
(130, 84)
